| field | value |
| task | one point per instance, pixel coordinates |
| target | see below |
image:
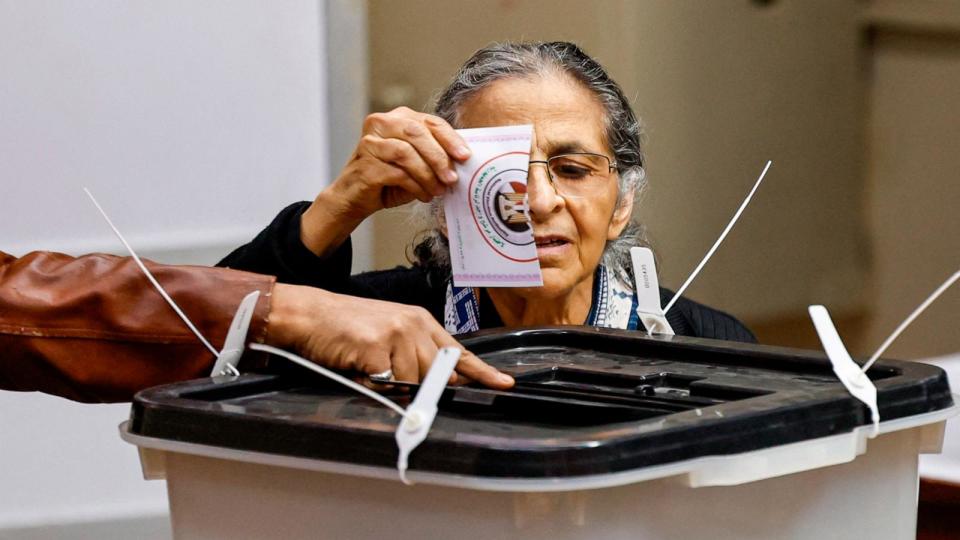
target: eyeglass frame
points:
(611, 166)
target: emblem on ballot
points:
(488, 224)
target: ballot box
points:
(607, 434)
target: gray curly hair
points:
(622, 130)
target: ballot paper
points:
(488, 226)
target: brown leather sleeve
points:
(93, 329)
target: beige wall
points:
(722, 86)
(858, 212)
(913, 195)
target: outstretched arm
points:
(93, 329)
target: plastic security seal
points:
(648, 292)
(233, 346)
(416, 423)
(853, 378)
(713, 249)
(417, 418)
(912, 317)
(153, 281)
(229, 356)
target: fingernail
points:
(450, 176)
(463, 152)
(504, 378)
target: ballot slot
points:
(671, 391)
(560, 395)
(664, 390)
(667, 391)
(514, 407)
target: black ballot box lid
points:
(587, 401)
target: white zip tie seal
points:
(153, 280)
(649, 311)
(853, 377)
(417, 418)
(233, 345)
(909, 320)
(332, 375)
(723, 235)
(421, 413)
(227, 359)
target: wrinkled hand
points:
(367, 336)
(402, 155)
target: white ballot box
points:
(607, 434)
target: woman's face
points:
(570, 233)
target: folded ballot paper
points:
(488, 227)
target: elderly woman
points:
(585, 133)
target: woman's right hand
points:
(402, 155)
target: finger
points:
(418, 130)
(406, 367)
(476, 369)
(462, 380)
(449, 139)
(472, 367)
(421, 137)
(393, 179)
(404, 155)
(373, 361)
(413, 189)
(426, 352)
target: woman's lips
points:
(548, 246)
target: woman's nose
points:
(542, 197)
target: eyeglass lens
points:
(578, 175)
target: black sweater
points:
(278, 251)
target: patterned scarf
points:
(614, 305)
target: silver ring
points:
(382, 377)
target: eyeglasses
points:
(579, 174)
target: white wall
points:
(193, 123)
(347, 90)
(63, 463)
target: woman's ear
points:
(621, 216)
